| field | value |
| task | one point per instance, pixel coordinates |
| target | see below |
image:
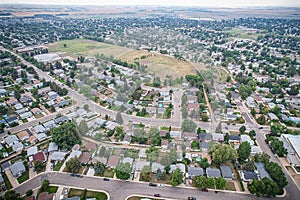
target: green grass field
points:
(236, 32)
(90, 194)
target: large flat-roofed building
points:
(291, 143)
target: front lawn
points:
(51, 189)
(57, 166)
(90, 194)
(25, 175)
(107, 173)
(230, 186)
(7, 182)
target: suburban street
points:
(120, 189)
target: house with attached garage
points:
(17, 169)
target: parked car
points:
(73, 175)
(260, 127)
(161, 185)
(153, 184)
(79, 175)
(157, 195)
(106, 179)
(192, 198)
(32, 198)
(204, 190)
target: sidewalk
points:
(14, 182)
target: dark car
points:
(153, 184)
(106, 179)
(3, 187)
(157, 195)
(79, 175)
(73, 175)
(260, 127)
(192, 198)
(204, 190)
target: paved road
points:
(119, 190)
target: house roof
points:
(189, 135)
(234, 137)
(261, 170)
(155, 166)
(58, 156)
(113, 161)
(140, 165)
(23, 135)
(39, 129)
(204, 145)
(39, 156)
(17, 168)
(74, 153)
(91, 146)
(213, 172)
(218, 136)
(11, 139)
(226, 171)
(178, 166)
(1, 179)
(248, 175)
(52, 147)
(18, 146)
(61, 119)
(45, 196)
(85, 157)
(128, 159)
(40, 136)
(32, 151)
(205, 136)
(195, 171)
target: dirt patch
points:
(295, 176)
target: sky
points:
(201, 3)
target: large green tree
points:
(222, 153)
(83, 128)
(200, 182)
(176, 177)
(66, 135)
(220, 183)
(188, 126)
(73, 165)
(119, 118)
(123, 171)
(99, 167)
(264, 187)
(244, 151)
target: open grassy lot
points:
(230, 186)
(88, 47)
(90, 194)
(158, 64)
(236, 32)
(107, 173)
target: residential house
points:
(204, 146)
(12, 120)
(58, 156)
(226, 172)
(61, 120)
(26, 115)
(234, 139)
(113, 161)
(142, 153)
(39, 156)
(52, 95)
(248, 176)
(190, 135)
(155, 166)
(219, 137)
(49, 124)
(39, 129)
(40, 136)
(52, 147)
(175, 134)
(85, 158)
(213, 172)
(261, 171)
(17, 146)
(164, 144)
(127, 160)
(17, 169)
(246, 138)
(11, 139)
(31, 151)
(45, 196)
(140, 165)
(23, 135)
(194, 171)
(205, 137)
(177, 166)
(36, 111)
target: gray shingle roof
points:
(212, 172)
(195, 171)
(261, 169)
(226, 171)
(17, 168)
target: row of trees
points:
(202, 182)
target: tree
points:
(73, 165)
(140, 136)
(226, 138)
(169, 158)
(252, 134)
(244, 151)
(253, 112)
(11, 194)
(278, 146)
(119, 118)
(152, 153)
(222, 153)
(265, 187)
(123, 171)
(220, 183)
(99, 167)
(262, 157)
(38, 166)
(83, 194)
(29, 193)
(200, 182)
(86, 107)
(83, 128)
(154, 136)
(66, 135)
(188, 126)
(242, 129)
(204, 163)
(249, 166)
(219, 128)
(159, 174)
(276, 173)
(3, 110)
(204, 117)
(17, 94)
(211, 182)
(261, 120)
(45, 185)
(176, 177)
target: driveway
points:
(14, 182)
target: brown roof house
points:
(45, 196)
(23, 135)
(113, 161)
(84, 157)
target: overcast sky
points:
(204, 3)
